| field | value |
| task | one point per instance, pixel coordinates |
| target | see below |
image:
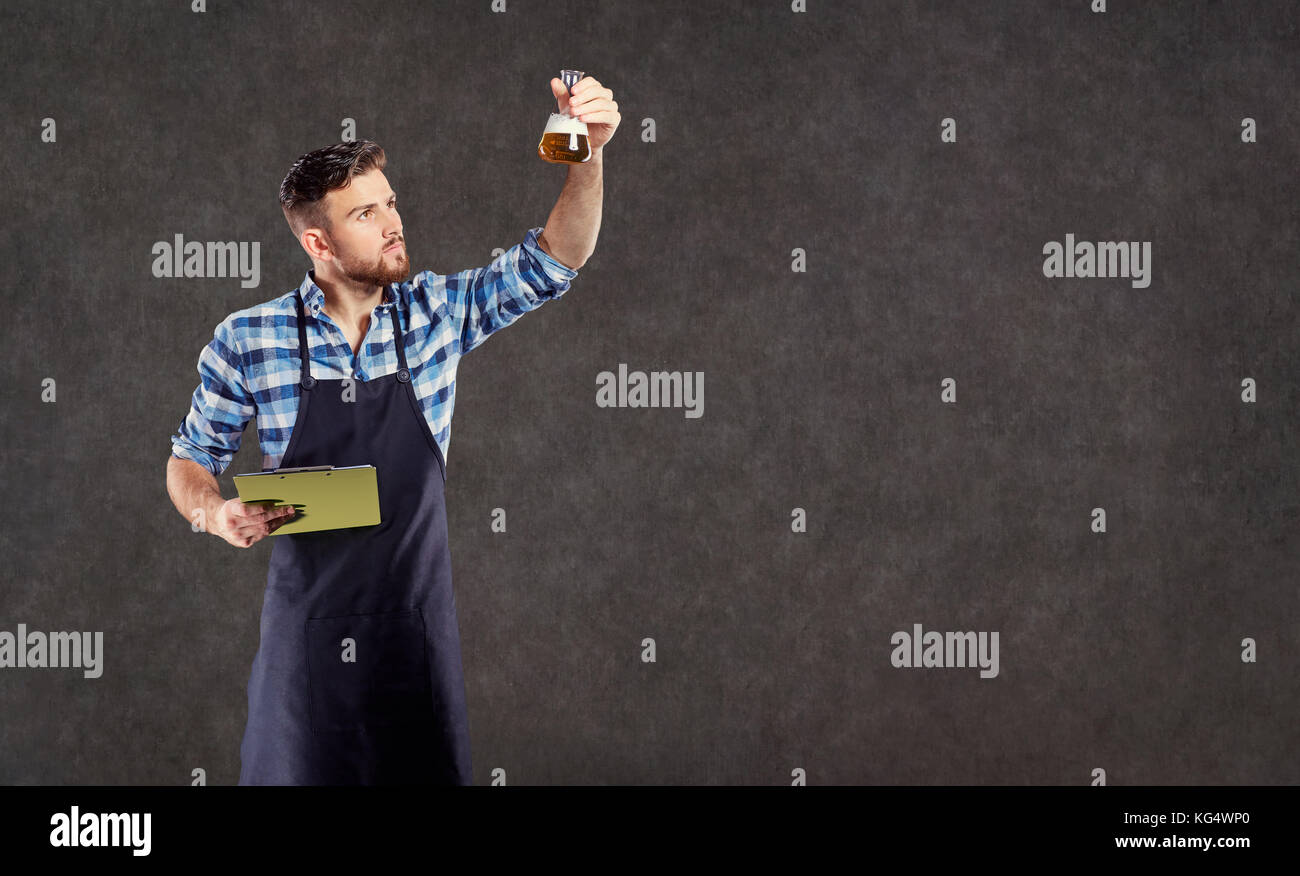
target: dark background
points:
(775, 130)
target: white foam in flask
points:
(564, 141)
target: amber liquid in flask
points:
(564, 141)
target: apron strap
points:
(398, 339)
(307, 380)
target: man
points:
(357, 679)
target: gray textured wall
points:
(1119, 650)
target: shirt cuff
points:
(556, 272)
(184, 450)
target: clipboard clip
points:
(302, 468)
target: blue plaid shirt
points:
(251, 365)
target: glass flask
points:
(565, 139)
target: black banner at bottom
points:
(638, 827)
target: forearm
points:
(192, 489)
(571, 230)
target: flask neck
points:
(569, 78)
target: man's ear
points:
(314, 242)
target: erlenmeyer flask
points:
(565, 139)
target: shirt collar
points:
(313, 297)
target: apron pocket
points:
(367, 670)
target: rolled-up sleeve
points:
(220, 408)
(485, 300)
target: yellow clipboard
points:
(323, 497)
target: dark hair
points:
(315, 174)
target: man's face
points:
(366, 231)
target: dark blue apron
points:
(358, 678)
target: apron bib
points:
(357, 678)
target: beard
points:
(387, 269)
